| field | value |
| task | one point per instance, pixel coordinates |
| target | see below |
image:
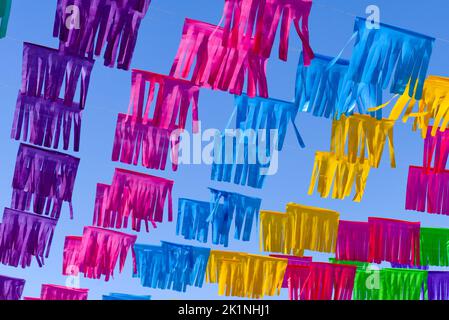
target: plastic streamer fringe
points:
(301, 228)
(244, 157)
(427, 185)
(403, 284)
(42, 122)
(122, 296)
(330, 170)
(23, 236)
(352, 241)
(5, 10)
(192, 222)
(44, 177)
(54, 292)
(293, 261)
(245, 275)
(201, 53)
(227, 207)
(170, 266)
(139, 136)
(11, 288)
(434, 105)
(394, 241)
(434, 245)
(244, 28)
(111, 23)
(323, 281)
(96, 254)
(438, 285)
(386, 57)
(134, 195)
(318, 86)
(45, 71)
(362, 136)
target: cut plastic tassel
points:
(192, 222)
(11, 288)
(254, 23)
(362, 136)
(330, 170)
(55, 292)
(44, 177)
(139, 136)
(134, 195)
(5, 10)
(245, 157)
(301, 228)
(290, 272)
(245, 275)
(434, 247)
(427, 185)
(114, 24)
(23, 236)
(318, 86)
(438, 285)
(97, 253)
(42, 122)
(237, 208)
(324, 281)
(52, 75)
(403, 284)
(387, 57)
(433, 106)
(171, 266)
(123, 296)
(352, 241)
(202, 55)
(394, 241)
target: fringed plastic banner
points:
(366, 281)
(291, 271)
(254, 23)
(405, 266)
(352, 241)
(362, 136)
(45, 71)
(42, 122)
(434, 245)
(433, 106)
(318, 86)
(97, 23)
(201, 53)
(403, 284)
(227, 207)
(55, 292)
(134, 195)
(139, 136)
(386, 57)
(170, 266)
(97, 253)
(245, 275)
(330, 170)
(394, 241)
(11, 288)
(301, 228)
(427, 185)
(261, 128)
(192, 222)
(5, 10)
(23, 236)
(325, 281)
(122, 296)
(438, 285)
(43, 180)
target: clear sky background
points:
(331, 25)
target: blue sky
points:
(331, 25)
